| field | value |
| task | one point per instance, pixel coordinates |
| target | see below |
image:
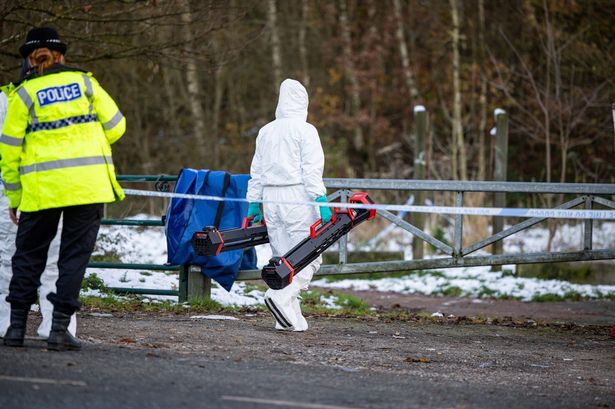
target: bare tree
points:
(193, 83)
(405, 59)
(459, 163)
(358, 140)
(276, 53)
(482, 98)
(303, 53)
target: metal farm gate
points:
(192, 284)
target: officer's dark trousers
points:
(35, 232)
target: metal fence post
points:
(588, 228)
(420, 156)
(458, 233)
(183, 283)
(501, 160)
(343, 246)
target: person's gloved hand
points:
(325, 212)
(254, 209)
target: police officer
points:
(56, 161)
(8, 231)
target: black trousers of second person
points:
(35, 232)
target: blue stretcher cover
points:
(186, 216)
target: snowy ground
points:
(148, 245)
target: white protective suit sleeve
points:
(312, 163)
(4, 103)
(7, 241)
(255, 186)
(7, 248)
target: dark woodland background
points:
(197, 79)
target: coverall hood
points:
(293, 101)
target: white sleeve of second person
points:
(255, 185)
(3, 108)
(312, 163)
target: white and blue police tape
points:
(470, 211)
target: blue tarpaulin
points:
(186, 216)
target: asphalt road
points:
(112, 377)
(339, 364)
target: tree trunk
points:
(358, 140)
(482, 99)
(403, 51)
(303, 55)
(276, 53)
(215, 119)
(193, 84)
(459, 167)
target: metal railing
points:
(587, 196)
(162, 184)
(194, 284)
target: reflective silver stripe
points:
(25, 97)
(110, 124)
(11, 187)
(65, 163)
(89, 91)
(88, 86)
(9, 140)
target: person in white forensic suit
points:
(8, 231)
(288, 166)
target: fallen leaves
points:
(421, 360)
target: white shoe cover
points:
(280, 304)
(48, 285)
(45, 328)
(287, 306)
(302, 324)
(4, 321)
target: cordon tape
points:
(470, 211)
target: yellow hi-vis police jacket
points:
(55, 148)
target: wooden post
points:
(199, 285)
(501, 160)
(420, 155)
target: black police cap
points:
(42, 37)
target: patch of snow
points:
(498, 111)
(471, 282)
(330, 302)
(130, 244)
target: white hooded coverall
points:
(8, 231)
(288, 165)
